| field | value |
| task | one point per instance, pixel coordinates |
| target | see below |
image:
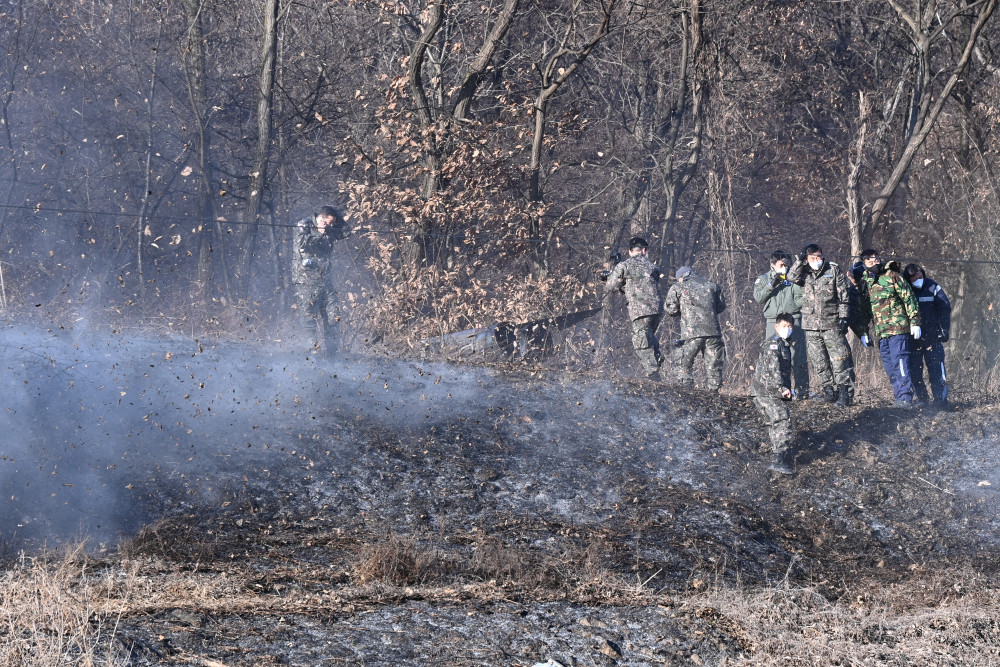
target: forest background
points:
(154, 156)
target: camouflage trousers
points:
(647, 348)
(831, 359)
(714, 352)
(800, 359)
(778, 421)
(319, 311)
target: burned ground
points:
(287, 510)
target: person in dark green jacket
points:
(776, 294)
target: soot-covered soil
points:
(289, 510)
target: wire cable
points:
(458, 237)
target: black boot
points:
(829, 395)
(780, 464)
(843, 397)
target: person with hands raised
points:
(888, 302)
(825, 311)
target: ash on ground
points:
(542, 508)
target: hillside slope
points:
(293, 502)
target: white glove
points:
(915, 331)
(866, 341)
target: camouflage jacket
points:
(785, 297)
(639, 279)
(698, 301)
(774, 368)
(312, 251)
(888, 301)
(825, 299)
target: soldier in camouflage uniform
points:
(639, 279)
(698, 302)
(825, 310)
(772, 387)
(888, 302)
(316, 299)
(776, 294)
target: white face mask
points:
(918, 283)
(780, 270)
(784, 332)
(815, 264)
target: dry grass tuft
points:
(53, 613)
(398, 561)
(501, 564)
(575, 571)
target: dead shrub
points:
(176, 538)
(587, 572)
(496, 562)
(398, 561)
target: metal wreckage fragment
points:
(510, 341)
(506, 340)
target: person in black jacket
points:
(935, 318)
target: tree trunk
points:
(483, 59)
(675, 180)
(142, 222)
(210, 238)
(11, 157)
(414, 251)
(552, 77)
(926, 112)
(855, 222)
(258, 173)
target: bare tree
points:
(562, 54)
(262, 154)
(208, 229)
(932, 29)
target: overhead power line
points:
(457, 237)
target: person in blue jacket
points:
(935, 314)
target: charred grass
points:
(932, 617)
(585, 566)
(65, 609)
